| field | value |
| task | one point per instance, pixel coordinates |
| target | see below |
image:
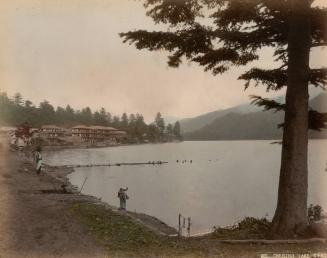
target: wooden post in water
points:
(179, 225)
(188, 226)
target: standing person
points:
(122, 195)
(20, 145)
(38, 160)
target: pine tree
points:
(46, 113)
(116, 122)
(238, 30)
(169, 129)
(160, 123)
(18, 99)
(177, 130)
(124, 121)
(86, 116)
(103, 117)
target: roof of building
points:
(50, 127)
(80, 127)
(95, 127)
(103, 127)
(120, 132)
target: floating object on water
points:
(118, 164)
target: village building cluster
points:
(78, 135)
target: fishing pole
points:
(83, 184)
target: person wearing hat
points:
(122, 195)
(38, 160)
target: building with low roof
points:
(51, 131)
(97, 134)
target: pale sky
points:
(69, 52)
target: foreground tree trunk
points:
(291, 214)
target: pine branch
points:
(219, 60)
(319, 25)
(274, 79)
(173, 12)
(318, 77)
(319, 44)
(317, 121)
(267, 104)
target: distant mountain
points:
(170, 120)
(236, 126)
(319, 102)
(233, 125)
(195, 123)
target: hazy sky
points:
(69, 52)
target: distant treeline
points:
(15, 111)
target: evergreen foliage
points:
(15, 112)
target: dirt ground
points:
(36, 225)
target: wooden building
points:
(51, 132)
(97, 134)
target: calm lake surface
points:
(226, 181)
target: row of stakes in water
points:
(182, 224)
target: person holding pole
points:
(122, 195)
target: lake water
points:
(226, 181)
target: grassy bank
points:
(124, 237)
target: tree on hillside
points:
(46, 113)
(70, 115)
(17, 109)
(100, 117)
(140, 127)
(96, 118)
(109, 118)
(28, 104)
(160, 123)
(169, 129)
(116, 122)
(86, 116)
(18, 99)
(177, 130)
(61, 116)
(131, 120)
(153, 133)
(103, 117)
(219, 34)
(5, 108)
(124, 121)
